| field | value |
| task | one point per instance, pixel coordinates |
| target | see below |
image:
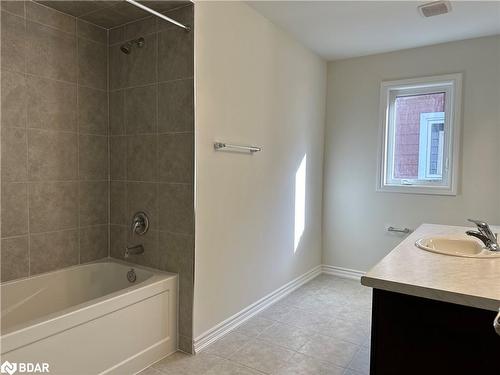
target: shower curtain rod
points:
(149, 10)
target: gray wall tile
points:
(149, 241)
(176, 47)
(165, 6)
(117, 112)
(14, 209)
(50, 53)
(186, 296)
(184, 15)
(92, 111)
(40, 187)
(176, 253)
(176, 208)
(92, 32)
(158, 118)
(118, 157)
(75, 8)
(14, 154)
(111, 17)
(141, 158)
(118, 203)
(176, 106)
(54, 250)
(52, 155)
(140, 110)
(15, 7)
(140, 28)
(14, 259)
(93, 202)
(185, 344)
(134, 69)
(50, 17)
(13, 47)
(176, 157)
(116, 35)
(92, 64)
(117, 240)
(51, 104)
(143, 196)
(53, 206)
(93, 157)
(14, 99)
(93, 243)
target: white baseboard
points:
(223, 328)
(342, 272)
(241, 317)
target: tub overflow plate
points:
(131, 276)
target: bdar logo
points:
(8, 368)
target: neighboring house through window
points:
(420, 127)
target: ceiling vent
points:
(435, 8)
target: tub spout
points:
(134, 250)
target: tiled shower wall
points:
(152, 149)
(55, 73)
(54, 140)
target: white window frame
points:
(451, 85)
(427, 120)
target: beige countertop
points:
(466, 281)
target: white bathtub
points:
(90, 319)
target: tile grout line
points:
(77, 75)
(75, 18)
(168, 81)
(28, 185)
(157, 137)
(109, 145)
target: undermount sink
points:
(456, 246)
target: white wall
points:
(355, 215)
(254, 85)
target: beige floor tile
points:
(184, 364)
(230, 368)
(286, 335)
(331, 349)
(150, 371)
(362, 316)
(276, 312)
(228, 345)
(327, 320)
(301, 364)
(254, 326)
(351, 372)
(262, 356)
(348, 330)
(305, 319)
(361, 361)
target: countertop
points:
(409, 270)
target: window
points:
(420, 124)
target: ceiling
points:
(342, 29)
(110, 14)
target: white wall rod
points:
(162, 16)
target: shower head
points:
(126, 48)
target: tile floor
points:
(321, 328)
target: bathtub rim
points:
(56, 322)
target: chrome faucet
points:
(140, 225)
(485, 234)
(134, 250)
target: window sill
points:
(417, 189)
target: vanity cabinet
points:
(414, 335)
